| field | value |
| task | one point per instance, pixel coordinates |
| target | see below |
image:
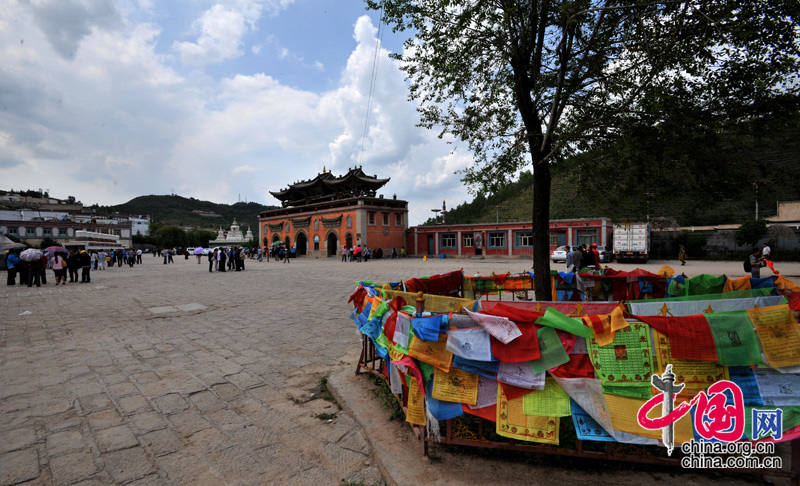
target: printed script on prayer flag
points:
(553, 401)
(455, 386)
(696, 374)
(432, 352)
(416, 403)
(627, 360)
(778, 333)
(513, 423)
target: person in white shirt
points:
(765, 252)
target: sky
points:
(218, 100)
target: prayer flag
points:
(734, 338)
(513, 423)
(627, 360)
(778, 333)
(473, 343)
(432, 352)
(554, 318)
(552, 401)
(551, 351)
(501, 328)
(455, 386)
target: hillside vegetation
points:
(178, 211)
(705, 185)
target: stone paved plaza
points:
(169, 374)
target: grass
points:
(325, 416)
(390, 402)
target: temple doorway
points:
(333, 244)
(349, 240)
(302, 244)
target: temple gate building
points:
(321, 215)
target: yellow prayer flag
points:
(623, 413)
(734, 284)
(455, 386)
(415, 413)
(513, 423)
(434, 353)
(779, 336)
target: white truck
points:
(632, 241)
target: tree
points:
(528, 82)
(751, 231)
(170, 237)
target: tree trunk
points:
(541, 231)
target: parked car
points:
(605, 254)
(558, 255)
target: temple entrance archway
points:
(275, 237)
(302, 244)
(332, 244)
(348, 240)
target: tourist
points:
(394, 253)
(12, 261)
(45, 264)
(185, 254)
(131, 257)
(756, 262)
(211, 260)
(344, 253)
(35, 272)
(286, 254)
(260, 254)
(169, 256)
(93, 259)
(58, 265)
(101, 260)
(576, 259)
(403, 252)
(358, 250)
(73, 264)
(86, 266)
(596, 255)
(682, 254)
(120, 256)
(352, 253)
(222, 257)
(139, 256)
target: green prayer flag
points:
(553, 401)
(639, 392)
(551, 350)
(735, 338)
(426, 370)
(627, 361)
(572, 325)
(704, 284)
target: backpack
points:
(747, 265)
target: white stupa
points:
(234, 236)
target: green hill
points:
(706, 185)
(181, 211)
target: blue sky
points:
(222, 101)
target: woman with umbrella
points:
(33, 258)
(13, 263)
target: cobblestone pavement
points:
(169, 374)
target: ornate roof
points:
(327, 187)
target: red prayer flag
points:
(690, 337)
(488, 413)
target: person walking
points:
(576, 259)
(286, 257)
(766, 251)
(210, 261)
(344, 253)
(682, 254)
(139, 256)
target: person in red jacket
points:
(596, 257)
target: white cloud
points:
(116, 121)
(220, 39)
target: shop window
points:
(448, 240)
(497, 239)
(467, 239)
(523, 239)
